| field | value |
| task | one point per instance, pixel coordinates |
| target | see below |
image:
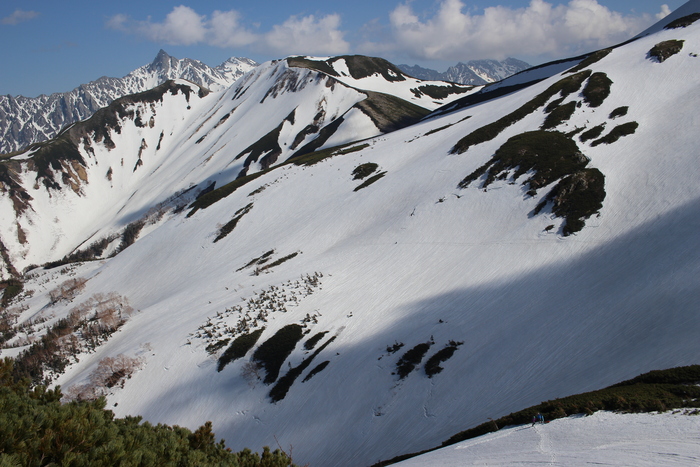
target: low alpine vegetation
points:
(280, 389)
(409, 360)
(87, 326)
(363, 171)
(683, 22)
(597, 89)
(549, 156)
(563, 87)
(273, 352)
(576, 198)
(619, 112)
(230, 225)
(369, 181)
(312, 341)
(37, 429)
(616, 133)
(651, 392)
(590, 60)
(317, 369)
(593, 133)
(559, 115)
(663, 50)
(432, 366)
(239, 348)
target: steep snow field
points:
(410, 259)
(604, 438)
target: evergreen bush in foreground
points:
(37, 430)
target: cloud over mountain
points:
(541, 28)
(184, 26)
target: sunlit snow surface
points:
(410, 259)
(603, 438)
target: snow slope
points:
(410, 259)
(604, 438)
(26, 120)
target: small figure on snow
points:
(534, 420)
(540, 418)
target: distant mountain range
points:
(474, 72)
(26, 120)
(333, 256)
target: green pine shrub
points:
(369, 181)
(277, 262)
(212, 197)
(439, 92)
(317, 369)
(618, 112)
(590, 60)
(239, 347)
(616, 133)
(551, 155)
(262, 259)
(564, 87)
(11, 288)
(280, 389)
(646, 393)
(363, 171)
(593, 133)
(130, 234)
(554, 104)
(230, 225)
(432, 366)
(664, 50)
(36, 429)
(312, 341)
(597, 89)
(683, 22)
(559, 115)
(273, 352)
(409, 360)
(576, 198)
(657, 390)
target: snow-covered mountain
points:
(644, 440)
(320, 261)
(26, 120)
(474, 72)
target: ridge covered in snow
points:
(311, 257)
(473, 72)
(26, 120)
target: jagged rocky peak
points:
(163, 61)
(24, 121)
(473, 72)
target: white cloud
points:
(225, 30)
(19, 16)
(539, 29)
(307, 36)
(184, 26)
(665, 11)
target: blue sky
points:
(51, 46)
